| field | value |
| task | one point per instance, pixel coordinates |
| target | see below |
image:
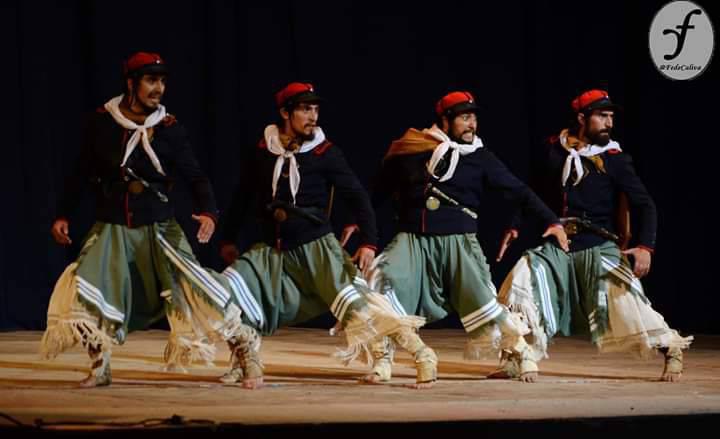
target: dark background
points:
(381, 67)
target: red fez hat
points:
(296, 92)
(593, 100)
(454, 103)
(144, 62)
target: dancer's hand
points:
(510, 236)
(347, 233)
(558, 232)
(60, 232)
(642, 259)
(363, 258)
(229, 252)
(207, 228)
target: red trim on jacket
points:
(128, 214)
(321, 148)
(169, 120)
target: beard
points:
(147, 108)
(600, 138)
(459, 139)
(302, 137)
(307, 137)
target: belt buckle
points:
(280, 215)
(571, 229)
(135, 187)
(432, 203)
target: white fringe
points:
(645, 345)
(376, 320)
(64, 334)
(485, 346)
(375, 278)
(500, 337)
(193, 315)
(183, 351)
(521, 304)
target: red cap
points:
(144, 62)
(455, 102)
(592, 100)
(296, 92)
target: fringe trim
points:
(522, 304)
(375, 278)
(231, 324)
(646, 344)
(378, 319)
(501, 337)
(183, 352)
(485, 346)
(65, 334)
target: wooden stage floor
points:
(304, 385)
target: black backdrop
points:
(381, 66)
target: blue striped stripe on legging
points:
(545, 299)
(392, 297)
(481, 316)
(244, 296)
(197, 274)
(343, 300)
(623, 273)
(94, 296)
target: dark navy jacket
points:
(405, 178)
(596, 196)
(99, 165)
(320, 169)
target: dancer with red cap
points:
(594, 290)
(435, 264)
(299, 270)
(136, 263)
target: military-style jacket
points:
(596, 196)
(405, 178)
(120, 198)
(320, 169)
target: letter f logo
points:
(682, 34)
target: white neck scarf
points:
(445, 145)
(274, 145)
(574, 160)
(140, 134)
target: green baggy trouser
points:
(431, 275)
(592, 292)
(125, 279)
(276, 288)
